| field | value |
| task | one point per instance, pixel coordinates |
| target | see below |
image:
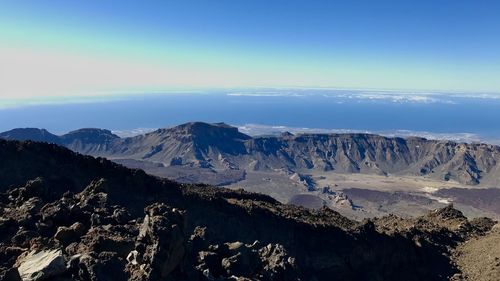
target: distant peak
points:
(34, 134)
(27, 130)
(201, 125)
(205, 131)
(90, 135)
(92, 131)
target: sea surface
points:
(458, 116)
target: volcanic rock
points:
(106, 220)
(41, 265)
(160, 245)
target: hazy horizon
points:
(458, 116)
(385, 67)
(63, 50)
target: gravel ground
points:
(479, 258)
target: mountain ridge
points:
(219, 146)
(96, 219)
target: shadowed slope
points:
(106, 203)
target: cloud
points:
(133, 132)
(266, 94)
(397, 97)
(350, 95)
(493, 96)
(258, 129)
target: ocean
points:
(456, 116)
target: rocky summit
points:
(65, 216)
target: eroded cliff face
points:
(66, 216)
(363, 153)
(221, 147)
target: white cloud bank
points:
(353, 95)
(133, 132)
(257, 129)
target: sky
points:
(64, 49)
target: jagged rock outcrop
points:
(106, 220)
(160, 245)
(67, 234)
(238, 260)
(42, 265)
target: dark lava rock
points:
(106, 222)
(69, 234)
(160, 245)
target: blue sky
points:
(85, 48)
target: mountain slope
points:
(33, 134)
(222, 147)
(88, 140)
(192, 144)
(103, 220)
(365, 153)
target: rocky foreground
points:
(65, 216)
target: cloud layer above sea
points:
(276, 130)
(259, 130)
(361, 95)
